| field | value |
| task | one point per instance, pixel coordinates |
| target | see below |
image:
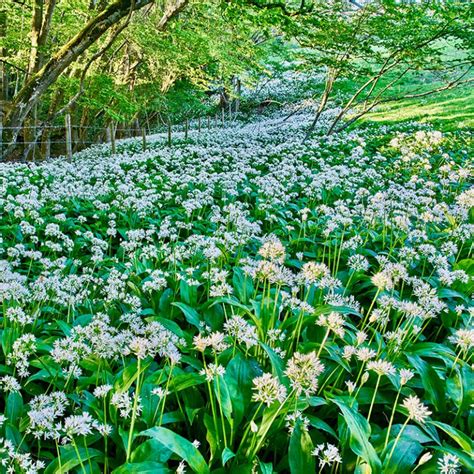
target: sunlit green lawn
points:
(449, 110)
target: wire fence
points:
(42, 141)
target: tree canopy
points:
(167, 59)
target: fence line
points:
(74, 140)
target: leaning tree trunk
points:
(38, 84)
(3, 78)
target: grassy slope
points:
(448, 110)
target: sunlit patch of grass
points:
(449, 110)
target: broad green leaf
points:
(299, 452)
(190, 314)
(212, 436)
(226, 455)
(277, 364)
(239, 375)
(463, 440)
(359, 435)
(223, 396)
(70, 460)
(321, 425)
(14, 407)
(188, 293)
(404, 456)
(186, 380)
(151, 450)
(265, 467)
(148, 467)
(180, 446)
(242, 284)
(434, 386)
(460, 387)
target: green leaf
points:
(321, 425)
(190, 314)
(277, 364)
(188, 293)
(266, 467)
(404, 456)
(239, 375)
(299, 453)
(359, 435)
(464, 441)
(223, 396)
(433, 385)
(186, 380)
(226, 455)
(242, 284)
(70, 460)
(180, 446)
(151, 450)
(149, 467)
(14, 407)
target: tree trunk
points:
(35, 32)
(38, 84)
(3, 78)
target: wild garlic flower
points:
(273, 250)
(242, 331)
(303, 371)
(22, 348)
(381, 367)
(449, 464)
(181, 469)
(78, 425)
(382, 281)
(358, 263)
(45, 413)
(8, 383)
(123, 401)
(351, 386)
(327, 453)
(160, 392)
(313, 272)
(365, 353)
(268, 389)
(463, 338)
(361, 337)
(102, 390)
(18, 315)
(348, 352)
(333, 321)
(212, 371)
(293, 418)
(216, 341)
(416, 410)
(405, 376)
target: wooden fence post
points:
(47, 147)
(169, 132)
(143, 139)
(223, 116)
(186, 127)
(208, 121)
(113, 129)
(68, 137)
(199, 124)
